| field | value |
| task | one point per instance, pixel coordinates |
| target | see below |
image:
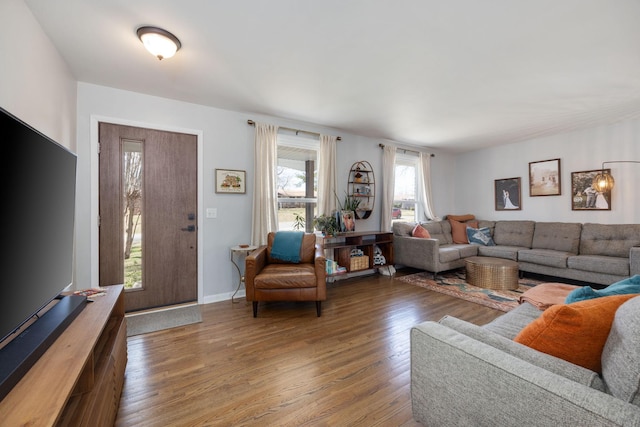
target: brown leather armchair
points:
(270, 279)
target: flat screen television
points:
(38, 178)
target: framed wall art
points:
(507, 194)
(584, 196)
(230, 181)
(544, 178)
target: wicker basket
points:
(359, 263)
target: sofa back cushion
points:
(491, 225)
(434, 228)
(621, 354)
(514, 233)
(559, 236)
(401, 228)
(440, 230)
(609, 239)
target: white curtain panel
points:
(425, 186)
(327, 175)
(388, 185)
(265, 196)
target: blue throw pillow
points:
(480, 236)
(626, 286)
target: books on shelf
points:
(334, 268)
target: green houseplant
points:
(350, 203)
(326, 224)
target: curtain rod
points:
(405, 150)
(252, 123)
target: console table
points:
(341, 245)
(78, 380)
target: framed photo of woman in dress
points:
(584, 195)
(507, 194)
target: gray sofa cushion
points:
(509, 326)
(560, 236)
(600, 264)
(402, 228)
(448, 254)
(446, 231)
(613, 240)
(467, 251)
(621, 354)
(550, 363)
(548, 257)
(507, 252)
(514, 233)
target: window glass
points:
(297, 184)
(405, 194)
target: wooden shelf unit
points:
(341, 246)
(362, 185)
(79, 379)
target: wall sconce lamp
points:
(603, 181)
(161, 43)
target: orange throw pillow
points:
(459, 230)
(420, 231)
(462, 218)
(574, 332)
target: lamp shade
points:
(603, 182)
(161, 43)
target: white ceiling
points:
(449, 74)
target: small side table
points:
(242, 252)
(492, 273)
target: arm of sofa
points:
(634, 260)
(416, 252)
(253, 264)
(320, 266)
(457, 380)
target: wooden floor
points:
(288, 367)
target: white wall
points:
(227, 142)
(578, 151)
(35, 83)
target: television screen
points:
(38, 179)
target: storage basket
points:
(359, 262)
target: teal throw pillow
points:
(480, 236)
(626, 286)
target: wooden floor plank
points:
(287, 367)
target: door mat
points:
(164, 318)
(453, 283)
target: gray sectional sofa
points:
(468, 375)
(594, 253)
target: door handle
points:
(189, 228)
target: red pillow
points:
(574, 332)
(420, 231)
(459, 230)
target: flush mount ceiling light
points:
(161, 43)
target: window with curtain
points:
(297, 182)
(406, 196)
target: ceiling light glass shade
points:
(161, 43)
(603, 182)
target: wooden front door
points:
(148, 207)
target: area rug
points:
(165, 318)
(453, 283)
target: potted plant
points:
(326, 224)
(347, 213)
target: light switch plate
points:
(212, 212)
